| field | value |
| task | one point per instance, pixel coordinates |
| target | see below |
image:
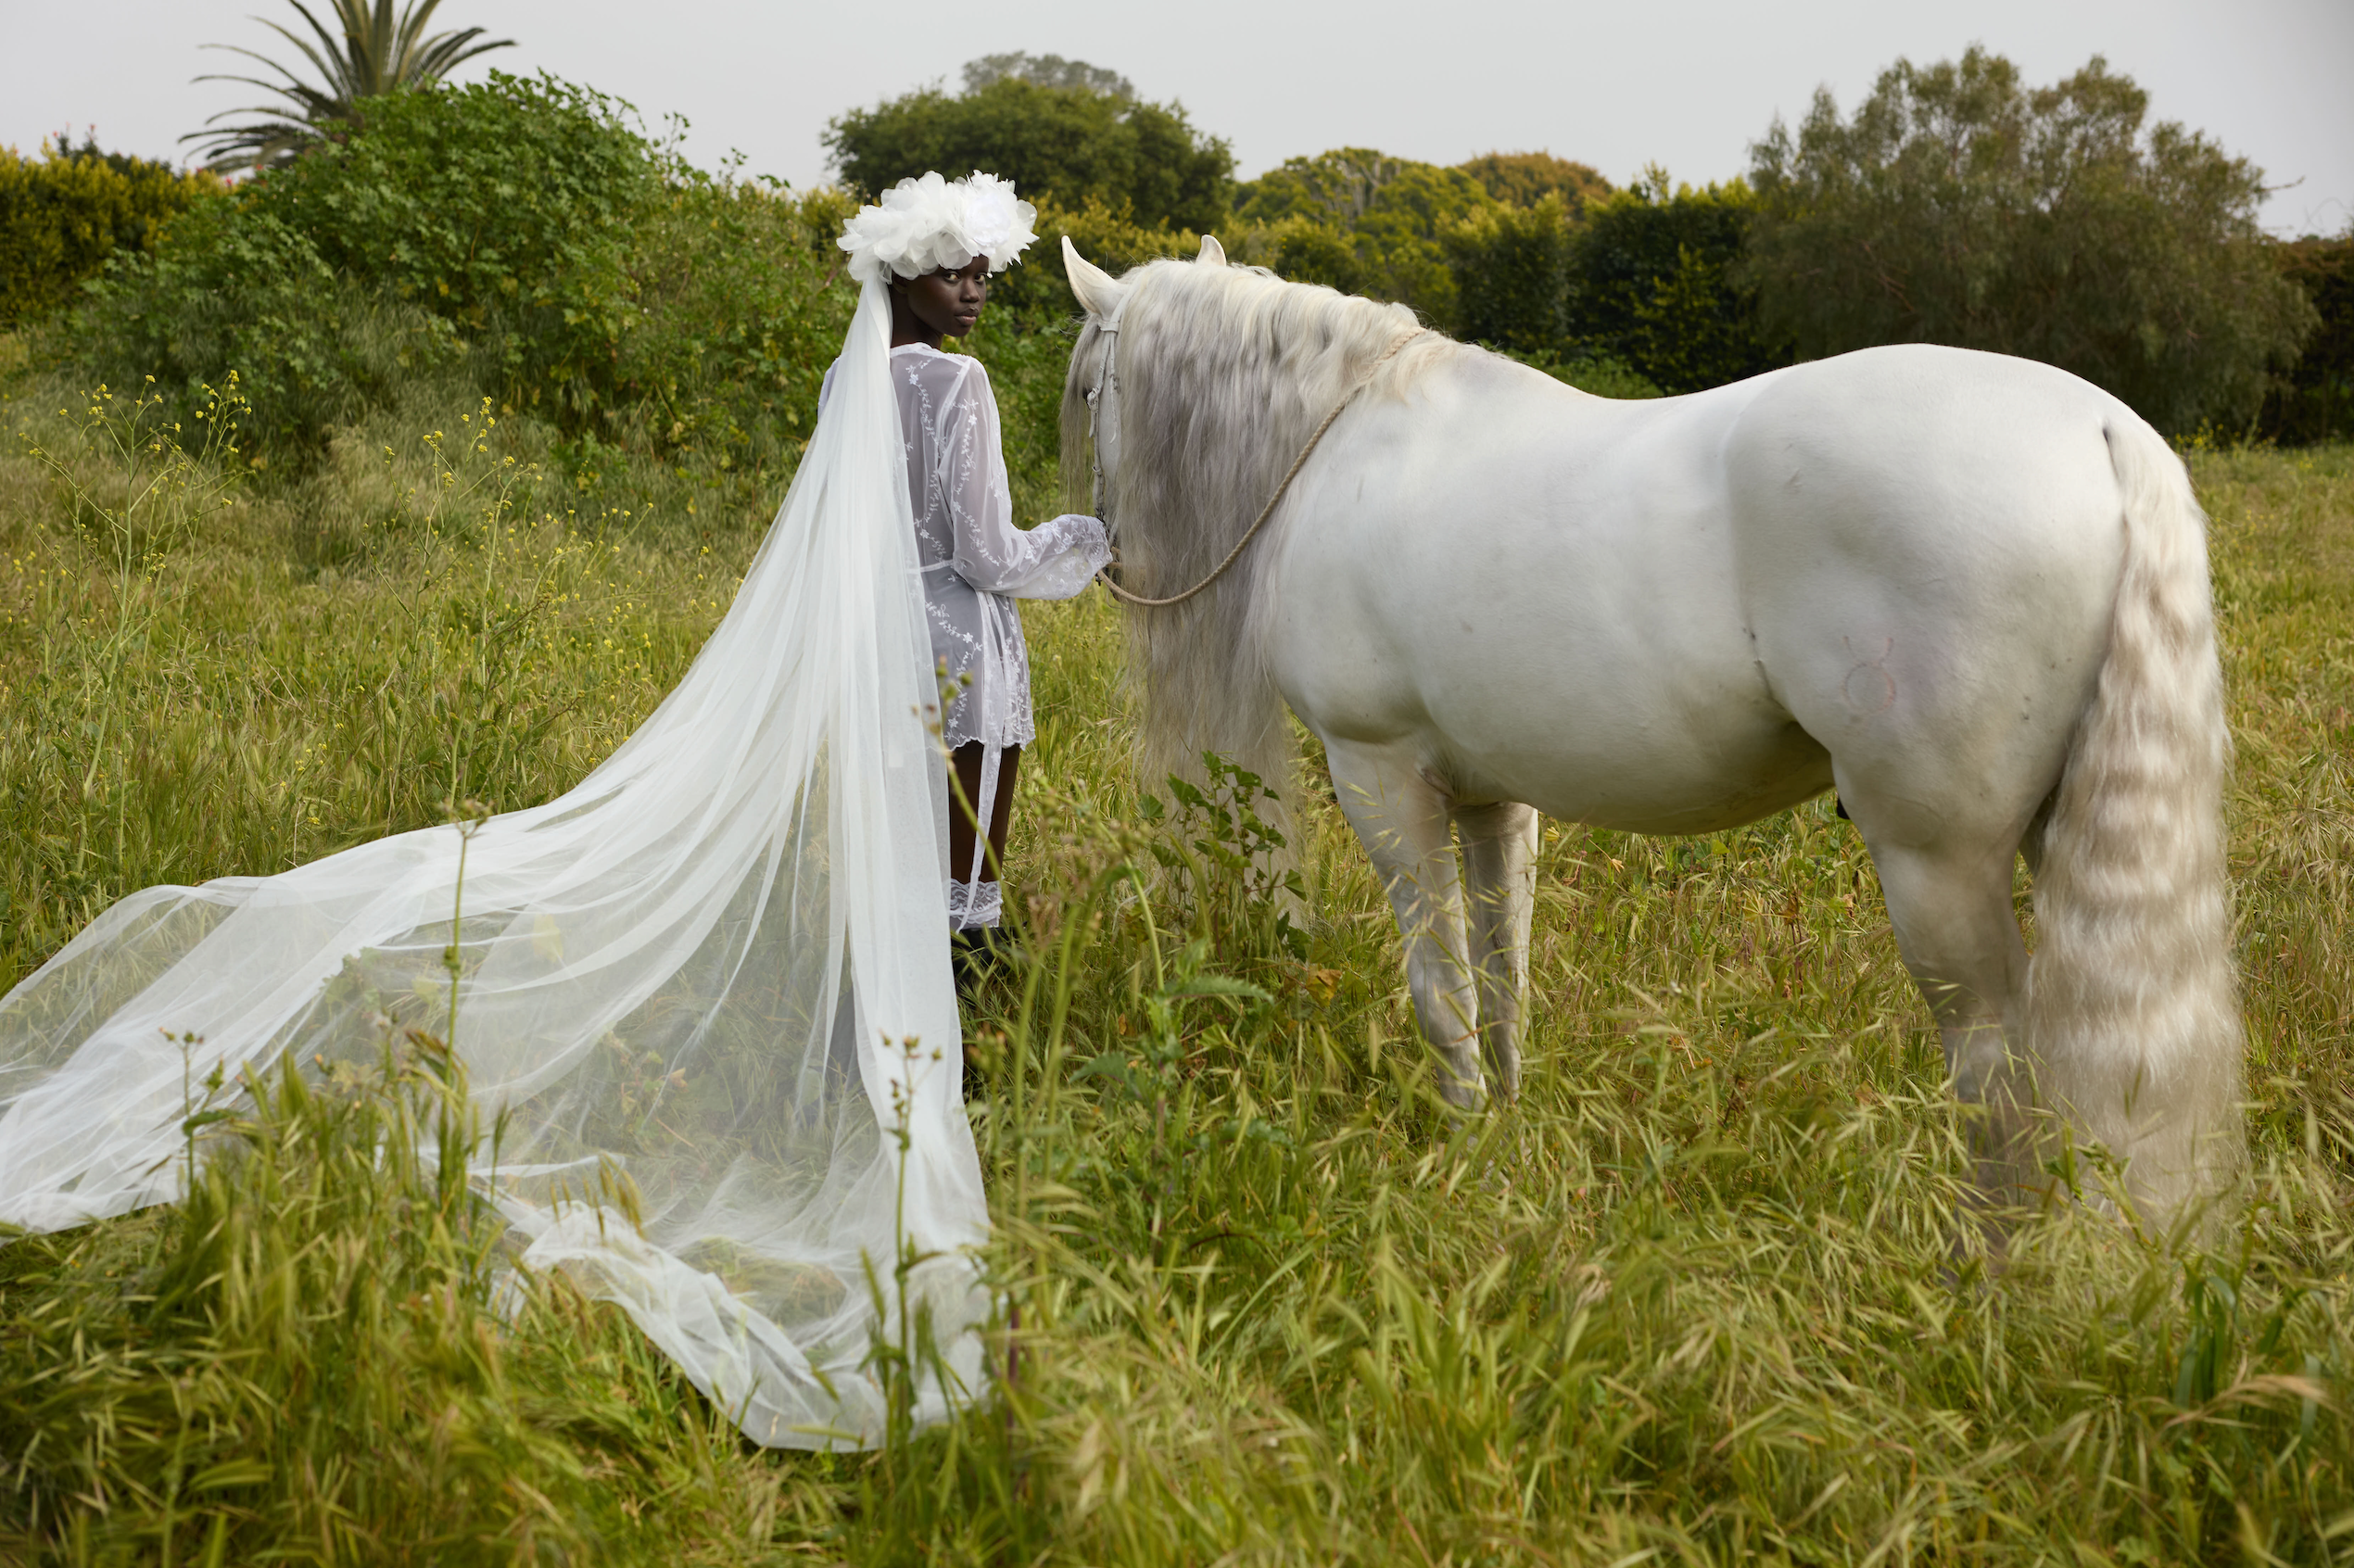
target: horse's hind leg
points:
(1401, 818)
(1951, 908)
(1500, 864)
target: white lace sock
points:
(975, 906)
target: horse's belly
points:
(1646, 787)
(1703, 749)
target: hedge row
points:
(524, 236)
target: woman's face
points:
(949, 301)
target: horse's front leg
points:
(1401, 818)
(1500, 862)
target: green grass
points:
(1696, 1297)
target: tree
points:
(1642, 277)
(1524, 179)
(2314, 401)
(1071, 141)
(1362, 221)
(1959, 206)
(1349, 185)
(1046, 70)
(372, 54)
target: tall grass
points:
(1698, 1296)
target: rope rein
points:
(1273, 502)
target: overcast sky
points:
(1688, 85)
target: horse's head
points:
(1090, 391)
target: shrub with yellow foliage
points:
(63, 214)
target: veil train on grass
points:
(708, 990)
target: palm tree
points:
(371, 53)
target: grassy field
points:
(1695, 1298)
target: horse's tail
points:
(2132, 1017)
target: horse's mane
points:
(1224, 373)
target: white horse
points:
(1969, 591)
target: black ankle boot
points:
(978, 954)
(972, 954)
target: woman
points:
(707, 992)
(975, 562)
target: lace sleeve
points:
(1055, 560)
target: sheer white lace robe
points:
(976, 563)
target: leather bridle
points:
(1107, 382)
(1094, 460)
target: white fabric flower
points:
(925, 224)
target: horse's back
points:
(1675, 615)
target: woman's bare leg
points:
(966, 798)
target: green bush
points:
(1307, 249)
(1512, 267)
(63, 216)
(1074, 143)
(739, 303)
(505, 208)
(1598, 373)
(517, 234)
(1654, 283)
(491, 220)
(1959, 206)
(236, 290)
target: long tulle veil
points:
(712, 978)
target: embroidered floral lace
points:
(975, 561)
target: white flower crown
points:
(926, 224)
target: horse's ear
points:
(1213, 253)
(1098, 293)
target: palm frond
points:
(294, 87)
(310, 103)
(367, 51)
(444, 54)
(330, 59)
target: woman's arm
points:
(1055, 560)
